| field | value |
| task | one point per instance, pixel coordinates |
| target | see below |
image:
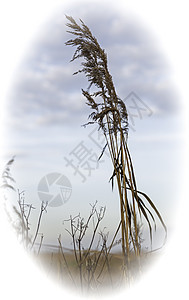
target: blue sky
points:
(46, 111)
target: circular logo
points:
(55, 189)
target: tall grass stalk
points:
(110, 113)
(43, 208)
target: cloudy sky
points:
(46, 111)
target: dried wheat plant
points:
(110, 113)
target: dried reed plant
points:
(7, 179)
(88, 259)
(22, 211)
(110, 113)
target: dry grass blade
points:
(155, 209)
(65, 261)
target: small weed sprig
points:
(7, 179)
(22, 210)
(87, 259)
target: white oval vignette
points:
(20, 23)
